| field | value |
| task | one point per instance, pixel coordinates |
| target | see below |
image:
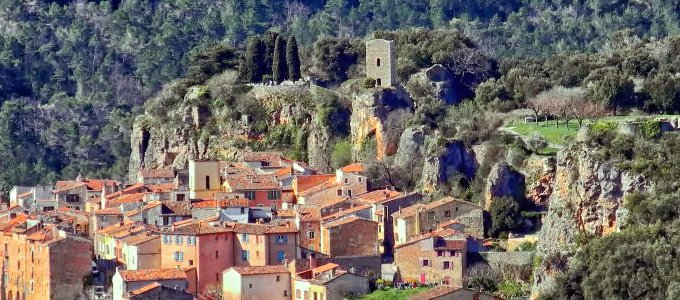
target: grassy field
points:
(557, 135)
(392, 294)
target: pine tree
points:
(293, 59)
(279, 65)
(254, 60)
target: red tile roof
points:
(305, 182)
(324, 268)
(413, 209)
(128, 198)
(152, 274)
(354, 168)
(141, 238)
(274, 159)
(450, 245)
(344, 221)
(157, 173)
(345, 212)
(437, 233)
(309, 214)
(111, 211)
(261, 270)
(286, 213)
(253, 182)
(221, 203)
(378, 196)
(144, 289)
(161, 188)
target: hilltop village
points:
(264, 227)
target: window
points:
(191, 262)
(207, 182)
(377, 62)
(72, 198)
(425, 262)
(297, 294)
(452, 253)
(179, 239)
(275, 207)
(179, 256)
(250, 195)
(273, 195)
(431, 215)
(278, 278)
(306, 297)
(378, 82)
(447, 265)
(244, 255)
(440, 253)
(339, 192)
(310, 235)
(447, 213)
(281, 255)
(250, 285)
(243, 210)
(360, 179)
(180, 197)
(191, 240)
(456, 208)
(281, 239)
(217, 254)
(349, 193)
(245, 238)
(167, 239)
(346, 180)
(285, 293)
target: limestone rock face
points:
(411, 146)
(370, 110)
(444, 160)
(319, 148)
(587, 197)
(442, 80)
(504, 181)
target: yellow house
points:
(262, 282)
(204, 179)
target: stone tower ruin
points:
(381, 62)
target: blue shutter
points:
(281, 255)
(285, 239)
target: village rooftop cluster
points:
(263, 227)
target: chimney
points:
(312, 261)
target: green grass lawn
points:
(393, 294)
(557, 135)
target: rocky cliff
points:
(587, 198)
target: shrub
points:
(368, 83)
(536, 142)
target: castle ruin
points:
(381, 62)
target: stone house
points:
(384, 203)
(329, 282)
(228, 210)
(41, 261)
(157, 291)
(253, 283)
(436, 257)
(26, 197)
(421, 218)
(349, 236)
(142, 251)
(329, 188)
(260, 190)
(308, 220)
(124, 282)
(161, 213)
(75, 193)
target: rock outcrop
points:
(445, 160)
(411, 144)
(442, 81)
(587, 198)
(370, 111)
(504, 181)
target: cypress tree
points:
(279, 66)
(293, 59)
(269, 41)
(254, 60)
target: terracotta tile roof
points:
(354, 168)
(135, 188)
(378, 196)
(305, 182)
(324, 268)
(152, 274)
(12, 223)
(128, 198)
(309, 214)
(97, 184)
(44, 235)
(413, 209)
(161, 188)
(334, 201)
(157, 173)
(286, 213)
(436, 233)
(24, 195)
(344, 221)
(261, 270)
(111, 211)
(253, 182)
(178, 208)
(144, 289)
(200, 227)
(221, 203)
(345, 212)
(320, 187)
(448, 223)
(63, 186)
(274, 159)
(282, 227)
(140, 238)
(284, 172)
(450, 245)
